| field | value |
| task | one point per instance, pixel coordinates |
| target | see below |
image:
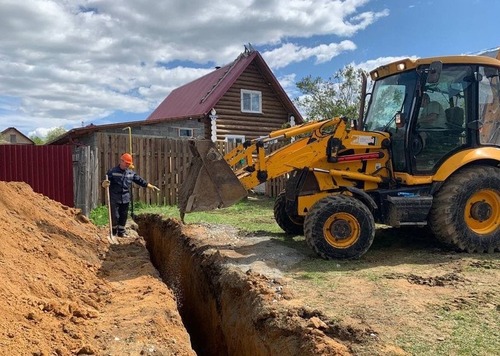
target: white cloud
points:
(290, 53)
(41, 132)
(64, 62)
(288, 83)
(375, 63)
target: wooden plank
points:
(248, 120)
(168, 171)
(139, 193)
(153, 173)
(177, 169)
(153, 169)
(95, 186)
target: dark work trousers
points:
(119, 214)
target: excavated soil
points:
(65, 291)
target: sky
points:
(71, 63)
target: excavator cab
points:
(427, 152)
(433, 112)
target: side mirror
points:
(400, 120)
(434, 72)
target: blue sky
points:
(73, 63)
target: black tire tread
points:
(446, 219)
(283, 220)
(313, 228)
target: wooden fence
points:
(86, 183)
(162, 162)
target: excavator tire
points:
(339, 227)
(466, 211)
(290, 226)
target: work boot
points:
(114, 231)
(122, 234)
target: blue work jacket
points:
(120, 184)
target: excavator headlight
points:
(401, 66)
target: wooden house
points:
(240, 101)
(12, 136)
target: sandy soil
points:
(66, 291)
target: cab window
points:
(489, 106)
(440, 119)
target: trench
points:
(227, 311)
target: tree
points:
(340, 95)
(55, 133)
(37, 140)
(51, 135)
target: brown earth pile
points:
(64, 290)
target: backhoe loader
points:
(398, 164)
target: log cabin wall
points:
(232, 121)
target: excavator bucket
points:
(210, 182)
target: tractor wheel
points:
(466, 210)
(290, 226)
(339, 227)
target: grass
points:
(468, 332)
(251, 215)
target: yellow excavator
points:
(424, 151)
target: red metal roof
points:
(197, 98)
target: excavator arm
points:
(258, 166)
(216, 181)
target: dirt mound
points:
(65, 290)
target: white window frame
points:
(236, 139)
(252, 94)
(179, 130)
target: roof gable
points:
(197, 98)
(13, 130)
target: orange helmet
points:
(127, 158)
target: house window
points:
(235, 139)
(251, 101)
(13, 139)
(185, 132)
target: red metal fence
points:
(47, 169)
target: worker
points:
(119, 180)
(431, 119)
(432, 114)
